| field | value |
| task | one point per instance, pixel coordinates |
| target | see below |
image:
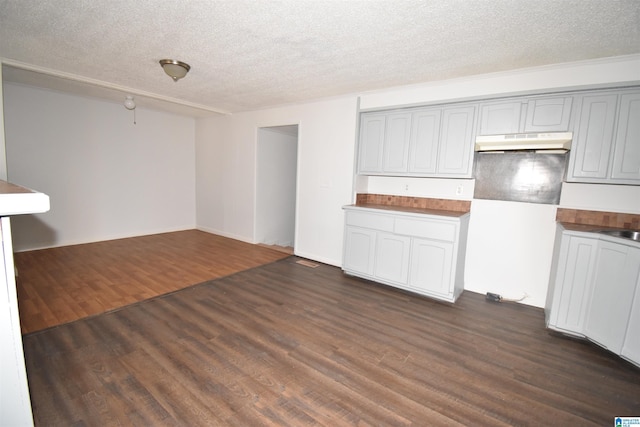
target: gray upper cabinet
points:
(626, 156)
(431, 141)
(384, 143)
(456, 142)
(437, 141)
(518, 115)
(606, 141)
(425, 137)
(592, 141)
(395, 148)
(548, 114)
(372, 128)
(498, 118)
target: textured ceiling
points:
(252, 54)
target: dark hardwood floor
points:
(285, 344)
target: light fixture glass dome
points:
(175, 69)
(129, 103)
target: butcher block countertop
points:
(17, 200)
(424, 211)
(585, 220)
(420, 205)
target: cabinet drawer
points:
(367, 220)
(428, 229)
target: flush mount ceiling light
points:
(175, 69)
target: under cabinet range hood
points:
(551, 141)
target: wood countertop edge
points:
(18, 200)
(422, 211)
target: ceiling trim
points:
(106, 85)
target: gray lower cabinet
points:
(391, 261)
(614, 285)
(430, 267)
(594, 291)
(631, 344)
(359, 259)
(569, 287)
(421, 253)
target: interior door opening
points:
(276, 175)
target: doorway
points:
(276, 176)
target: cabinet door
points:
(626, 157)
(392, 258)
(589, 158)
(616, 273)
(631, 345)
(423, 149)
(573, 283)
(359, 250)
(396, 142)
(548, 114)
(456, 142)
(372, 128)
(500, 118)
(431, 266)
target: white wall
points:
(226, 164)
(106, 177)
(276, 175)
(3, 157)
(611, 198)
(438, 188)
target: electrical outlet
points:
(493, 297)
(406, 187)
(459, 190)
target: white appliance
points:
(560, 141)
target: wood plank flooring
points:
(64, 284)
(288, 345)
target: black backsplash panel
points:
(520, 176)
